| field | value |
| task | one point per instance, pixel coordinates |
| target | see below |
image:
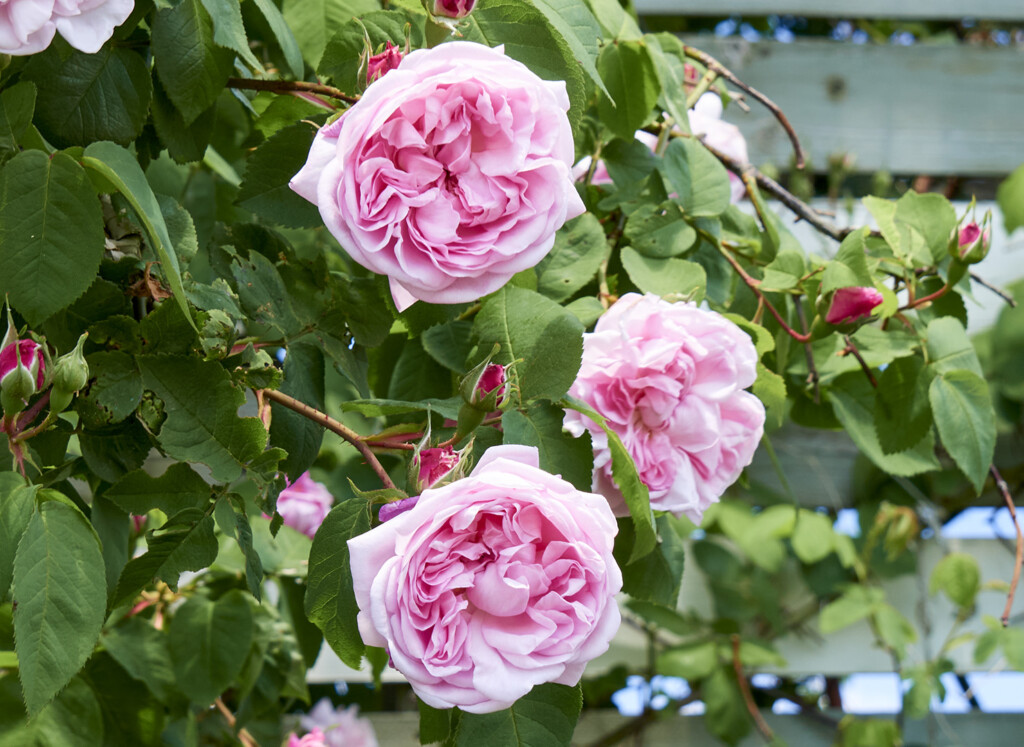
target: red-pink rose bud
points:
(453, 8)
(31, 361)
(383, 62)
(852, 304)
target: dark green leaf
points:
(542, 341)
(966, 422)
(209, 642)
(202, 423)
(330, 599)
(192, 68)
(560, 454)
(632, 86)
(89, 97)
(265, 189)
(579, 249)
(61, 596)
(51, 231)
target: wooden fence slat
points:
(994, 10)
(923, 109)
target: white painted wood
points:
(939, 109)
(917, 9)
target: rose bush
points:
(490, 585)
(28, 26)
(670, 379)
(450, 175)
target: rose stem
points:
(1019, 556)
(335, 427)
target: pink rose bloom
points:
(852, 304)
(382, 62)
(314, 739)
(28, 354)
(490, 585)
(450, 175)
(28, 26)
(669, 380)
(304, 504)
(341, 727)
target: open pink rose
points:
(304, 504)
(450, 175)
(28, 26)
(490, 585)
(669, 379)
(852, 304)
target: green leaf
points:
(88, 97)
(315, 21)
(1011, 199)
(580, 30)
(659, 231)
(573, 262)
(546, 715)
(902, 413)
(122, 170)
(17, 104)
(298, 435)
(958, 576)
(265, 189)
(142, 650)
(850, 266)
(560, 454)
(528, 37)
(670, 278)
(61, 596)
(541, 340)
(209, 642)
(699, 179)
(966, 422)
(632, 87)
(284, 36)
(949, 348)
(330, 599)
(624, 474)
(449, 344)
(202, 423)
(813, 538)
(51, 231)
(853, 400)
(229, 31)
(16, 502)
(192, 68)
(177, 489)
(184, 543)
(658, 575)
(855, 604)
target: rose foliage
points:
(428, 334)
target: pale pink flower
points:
(304, 504)
(491, 584)
(28, 26)
(340, 727)
(669, 378)
(852, 304)
(450, 175)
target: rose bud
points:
(452, 8)
(853, 304)
(70, 374)
(970, 243)
(22, 373)
(383, 61)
